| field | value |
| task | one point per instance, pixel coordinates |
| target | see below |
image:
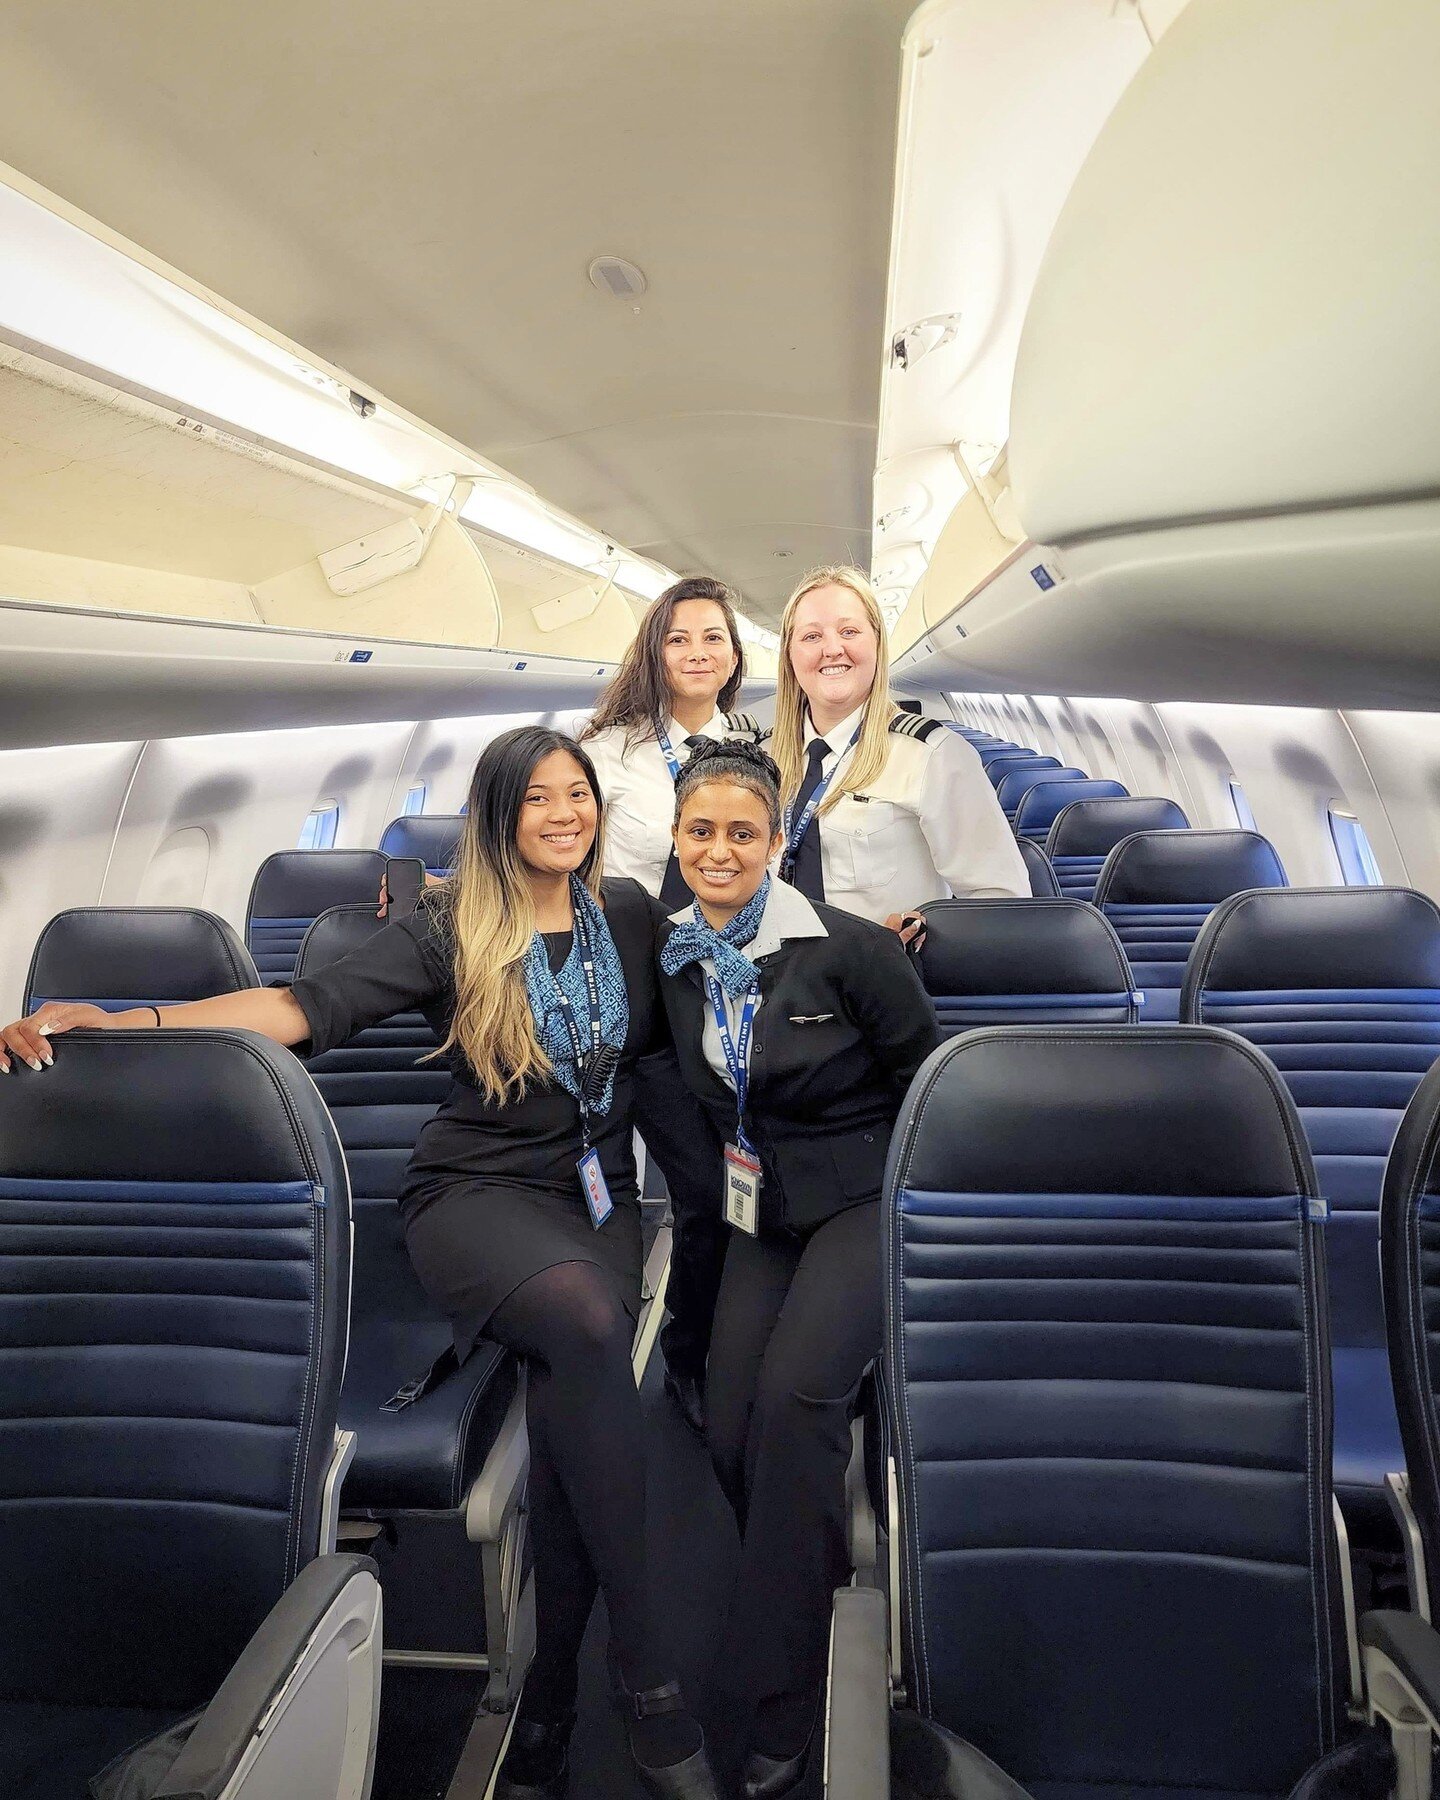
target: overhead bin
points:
(1224, 449)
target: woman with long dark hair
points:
(520, 1205)
(674, 690)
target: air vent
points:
(619, 279)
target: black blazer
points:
(842, 1027)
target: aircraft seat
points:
(1038, 809)
(1086, 831)
(1022, 962)
(1000, 747)
(1017, 782)
(424, 1428)
(1103, 1354)
(1043, 884)
(1001, 766)
(291, 889)
(433, 837)
(117, 957)
(174, 1264)
(1340, 987)
(1157, 889)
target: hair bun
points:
(732, 751)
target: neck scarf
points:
(544, 988)
(695, 939)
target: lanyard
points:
(795, 829)
(572, 1026)
(662, 737)
(736, 1049)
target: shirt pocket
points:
(864, 838)
(640, 838)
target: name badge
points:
(597, 1194)
(742, 1189)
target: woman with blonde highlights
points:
(884, 810)
(520, 1205)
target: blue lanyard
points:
(572, 1027)
(662, 737)
(736, 1049)
(795, 829)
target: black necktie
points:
(673, 891)
(807, 872)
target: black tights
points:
(587, 1476)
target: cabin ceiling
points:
(416, 195)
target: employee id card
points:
(597, 1193)
(742, 1189)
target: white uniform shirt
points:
(788, 914)
(639, 793)
(928, 825)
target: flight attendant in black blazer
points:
(799, 1027)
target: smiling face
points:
(558, 816)
(723, 842)
(699, 656)
(833, 651)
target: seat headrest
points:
(988, 752)
(1180, 868)
(338, 931)
(169, 1106)
(120, 956)
(300, 884)
(1095, 827)
(1020, 947)
(1334, 937)
(1018, 782)
(1000, 766)
(1047, 799)
(1044, 884)
(1176, 1110)
(433, 837)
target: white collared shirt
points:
(928, 825)
(788, 914)
(639, 795)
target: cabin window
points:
(1357, 859)
(414, 800)
(318, 831)
(1240, 806)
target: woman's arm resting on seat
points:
(273, 1012)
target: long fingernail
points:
(35, 1064)
(49, 1062)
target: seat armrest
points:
(857, 1712)
(500, 1485)
(1402, 1647)
(261, 1686)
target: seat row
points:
(1116, 1565)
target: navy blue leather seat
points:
(421, 1457)
(1046, 800)
(1043, 884)
(1001, 766)
(999, 747)
(1023, 962)
(1085, 833)
(1157, 889)
(117, 957)
(1018, 782)
(433, 837)
(1340, 987)
(1105, 1347)
(174, 1289)
(292, 888)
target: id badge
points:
(597, 1194)
(742, 1189)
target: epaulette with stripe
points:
(914, 725)
(744, 725)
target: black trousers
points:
(680, 1137)
(796, 1327)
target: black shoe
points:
(772, 1777)
(537, 1763)
(691, 1779)
(688, 1395)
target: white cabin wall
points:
(1293, 763)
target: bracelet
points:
(156, 1010)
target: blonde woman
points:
(883, 810)
(520, 1205)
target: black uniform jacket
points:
(842, 1027)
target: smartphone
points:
(405, 878)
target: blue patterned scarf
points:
(696, 938)
(542, 987)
